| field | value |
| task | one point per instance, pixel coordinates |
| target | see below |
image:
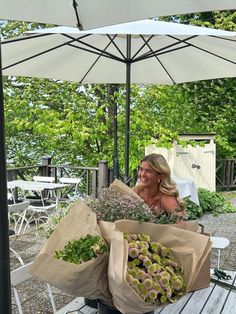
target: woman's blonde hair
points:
(166, 185)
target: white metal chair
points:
(22, 274)
(74, 182)
(17, 219)
(44, 179)
(40, 210)
(219, 244)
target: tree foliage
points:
(74, 123)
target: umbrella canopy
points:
(159, 53)
(90, 14)
(148, 52)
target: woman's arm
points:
(170, 205)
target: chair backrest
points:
(74, 182)
(43, 179)
(21, 275)
(17, 213)
(67, 180)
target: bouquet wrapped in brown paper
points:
(120, 202)
(87, 279)
(188, 249)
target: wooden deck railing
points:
(226, 174)
(93, 178)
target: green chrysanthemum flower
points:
(157, 277)
(136, 262)
(141, 257)
(141, 274)
(144, 237)
(133, 252)
(144, 294)
(141, 287)
(170, 270)
(154, 247)
(130, 279)
(147, 262)
(168, 292)
(163, 299)
(135, 282)
(164, 282)
(157, 287)
(148, 283)
(177, 284)
(144, 251)
(133, 236)
(156, 258)
(165, 274)
(151, 268)
(133, 245)
(152, 294)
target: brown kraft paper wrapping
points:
(203, 279)
(88, 279)
(189, 249)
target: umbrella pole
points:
(116, 160)
(5, 286)
(127, 111)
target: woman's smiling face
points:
(147, 175)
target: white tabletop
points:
(34, 185)
(187, 188)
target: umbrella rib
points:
(34, 56)
(75, 5)
(145, 44)
(99, 52)
(113, 42)
(94, 50)
(211, 53)
(160, 51)
(164, 68)
(13, 40)
(90, 68)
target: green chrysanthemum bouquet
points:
(151, 272)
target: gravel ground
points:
(34, 296)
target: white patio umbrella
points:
(89, 14)
(147, 51)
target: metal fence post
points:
(102, 175)
(45, 170)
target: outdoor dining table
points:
(187, 188)
(213, 299)
(36, 186)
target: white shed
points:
(197, 163)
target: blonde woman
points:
(156, 188)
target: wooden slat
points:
(175, 307)
(88, 310)
(197, 300)
(230, 305)
(216, 301)
(74, 305)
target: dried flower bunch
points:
(112, 205)
(151, 272)
(82, 250)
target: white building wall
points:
(195, 163)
